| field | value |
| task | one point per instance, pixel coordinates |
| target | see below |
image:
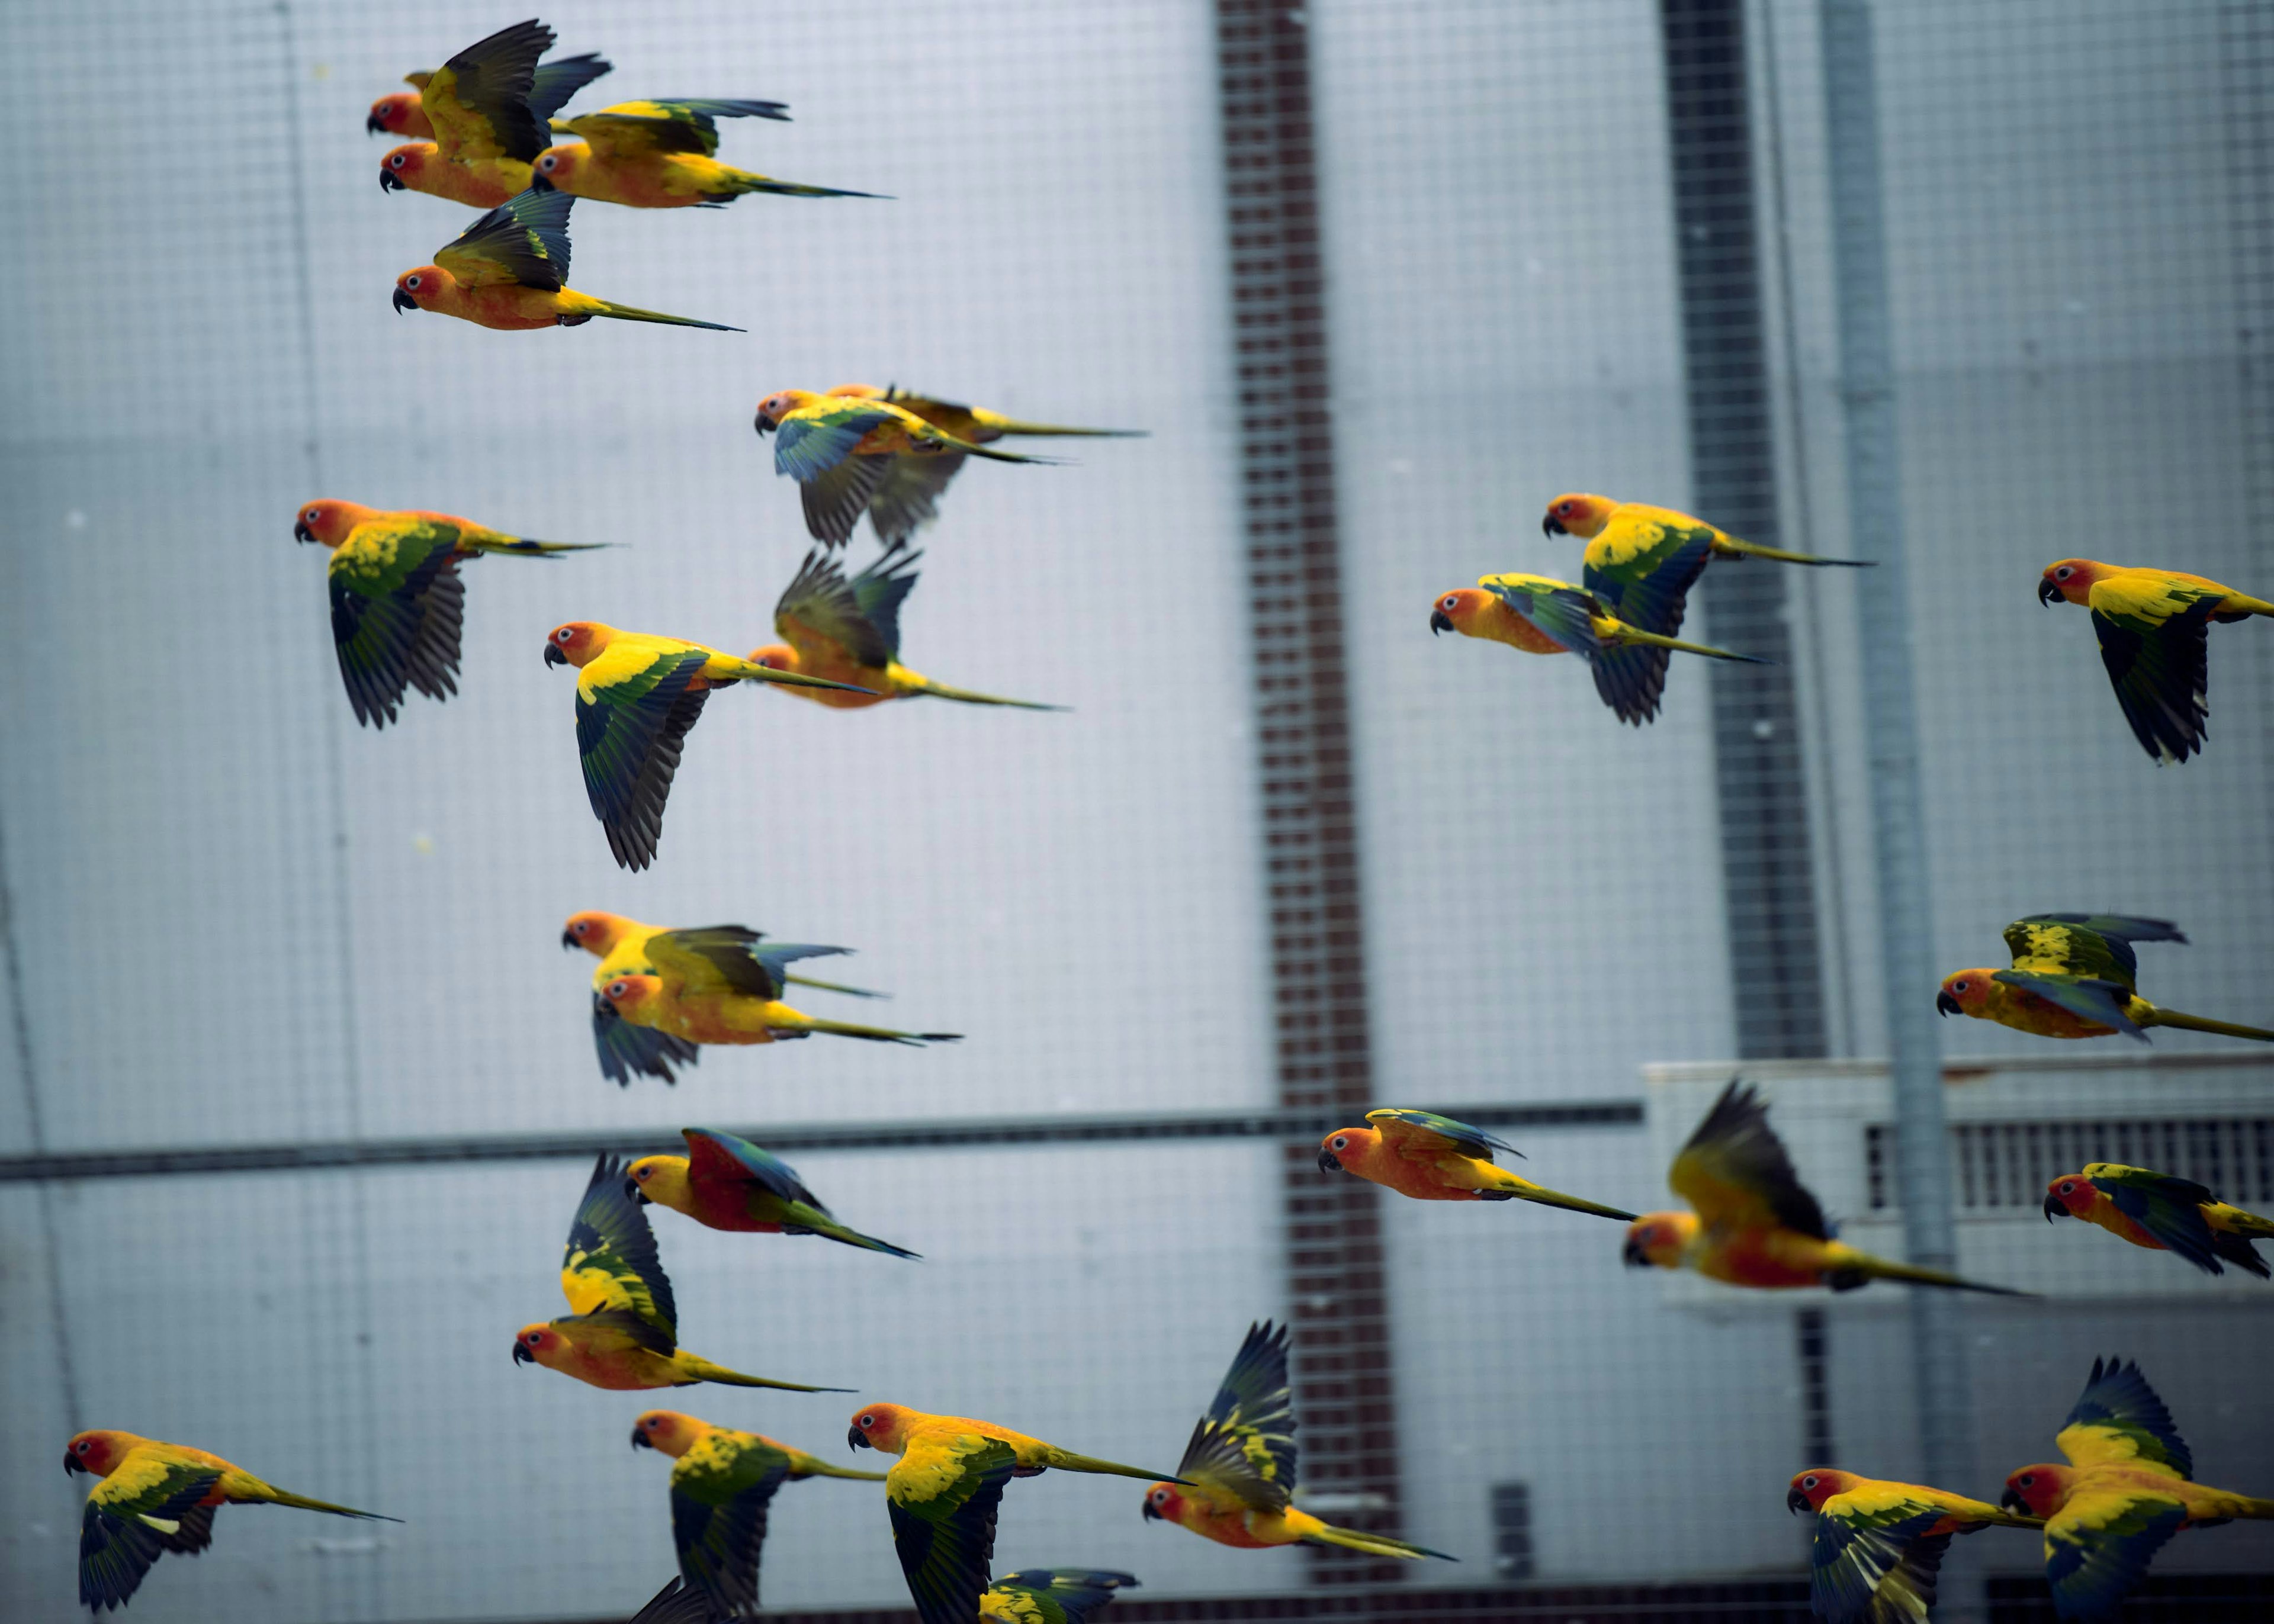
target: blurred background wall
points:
(238, 924)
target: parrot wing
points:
(907, 497)
(632, 716)
(398, 607)
(1052, 1595)
(719, 1492)
(720, 1158)
(1245, 1444)
(2101, 1001)
(1872, 1557)
(1735, 1171)
(1431, 1135)
(2169, 1208)
(814, 445)
(478, 101)
(674, 1604)
(2119, 1418)
(943, 1494)
(626, 1048)
(710, 957)
(556, 82)
(2099, 1544)
(635, 128)
(1555, 609)
(611, 1261)
(129, 1520)
(1643, 570)
(522, 241)
(957, 419)
(2157, 658)
(2093, 945)
(821, 613)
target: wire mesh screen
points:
(300, 1093)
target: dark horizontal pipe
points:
(323, 1155)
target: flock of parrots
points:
(483, 123)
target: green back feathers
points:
(2168, 1208)
(748, 963)
(721, 1490)
(492, 80)
(523, 240)
(629, 736)
(861, 615)
(2089, 944)
(556, 82)
(398, 608)
(1876, 1564)
(625, 1049)
(2121, 1416)
(1053, 1595)
(2160, 671)
(116, 1545)
(1464, 1139)
(1246, 1442)
(943, 1515)
(1647, 587)
(610, 1260)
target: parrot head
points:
(1657, 1240)
(559, 164)
(778, 405)
(398, 115)
(422, 287)
(1351, 1142)
(629, 996)
(658, 1181)
(537, 1344)
(775, 656)
(668, 1430)
(577, 643)
(1163, 1504)
(400, 169)
(1577, 514)
(1812, 1488)
(2039, 1490)
(1458, 612)
(2069, 1196)
(594, 931)
(1965, 992)
(329, 522)
(97, 1452)
(2071, 579)
(879, 1426)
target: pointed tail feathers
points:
(1372, 1544)
(837, 987)
(810, 1466)
(278, 1497)
(525, 547)
(1884, 1268)
(750, 671)
(803, 1220)
(694, 1368)
(1066, 1460)
(1730, 544)
(965, 696)
(1013, 426)
(741, 183)
(993, 456)
(874, 1035)
(1524, 1190)
(2196, 1023)
(2236, 1249)
(1630, 634)
(633, 312)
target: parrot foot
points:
(1494, 1195)
(1029, 1471)
(571, 322)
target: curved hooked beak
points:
(602, 1010)
(521, 1353)
(1327, 1163)
(2053, 1207)
(301, 532)
(1552, 526)
(553, 654)
(389, 180)
(2012, 1501)
(1794, 1501)
(854, 1440)
(1438, 622)
(639, 1439)
(2048, 594)
(71, 1464)
(375, 125)
(568, 939)
(1632, 1254)
(1944, 1005)
(1151, 1514)
(764, 425)
(403, 301)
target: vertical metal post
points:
(1867, 388)
(1336, 1287)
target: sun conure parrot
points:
(850, 630)
(1050, 1595)
(403, 112)
(2126, 1490)
(1543, 616)
(397, 601)
(1434, 1158)
(483, 116)
(622, 1332)
(637, 696)
(1754, 1223)
(840, 450)
(663, 154)
(907, 498)
(721, 1487)
(508, 270)
(1239, 1470)
(2074, 975)
(2163, 1213)
(748, 1010)
(726, 1183)
(155, 1498)
(2153, 631)
(1641, 561)
(621, 944)
(1877, 1545)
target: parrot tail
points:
(808, 1466)
(2196, 1023)
(2236, 1249)
(528, 548)
(1753, 550)
(1545, 1196)
(965, 697)
(990, 453)
(1629, 634)
(742, 182)
(803, 1220)
(694, 1368)
(1066, 1460)
(874, 1035)
(633, 312)
(850, 992)
(2234, 1220)
(1012, 426)
(278, 1497)
(1883, 1269)
(750, 671)
(1372, 1544)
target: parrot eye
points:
(1341, 1142)
(1808, 1482)
(2026, 1479)
(1449, 603)
(534, 1337)
(1959, 986)
(396, 163)
(866, 1423)
(561, 635)
(2063, 572)
(412, 281)
(1160, 1497)
(640, 1175)
(84, 1446)
(2067, 1187)
(546, 164)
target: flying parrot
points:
(725, 1183)
(2126, 1490)
(486, 113)
(907, 497)
(746, 1009)
(841, 451)
(637, 696)
(1543, 616)
(621, 944)
(1641, 562)
(663, 154)
(850, 630)
(509, 269)
(2074, 975)
(1239, 1470)
(721, 1487)
(155, 1498)
(1050, 1595)
(397, 601)
(1877, 1545)
(2153, 631)
(1754, 1223)
(1434, 1158)
(622, 1332)
(2163, 1213)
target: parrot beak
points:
(71, 1464)
(638, 1197)
(375, 125)
(1550, 527)
(1794, 1501)
(764, 425)
(602, 1010)
(1151, 1515)
(1944, 1005)
(301, 532)
(553, 654)
(852, 1438)
(521, 1353)
(2012, 1501)
(389, 180)
(403, 301)
(1633, 1256)
(639, 1439)
(1327, 1163)
(1438, 622)
(2048, 594)
(2054, 1209)
(568, 939)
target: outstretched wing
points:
(720, 1158)
(2093, 945)
(611, 1261)
(2098, 1546)
(2168, 1208)
(943, 1494)
(719, 1492)
(639, 129)
(1872, 1559)
(626, 1048)
(907, 497)
(2104, 1001)
(522, 241)
(823, 616)
(632, 718)
(1245, 1444)
(815, 448)
(1643, 569)
(1052, 1595)
(2119, 1417)
(397, 608)
(557, 81)
(1734, 1170)
(957, 419)
(478, 101)
(1555, 609)
(730, 958)
(131, 1519)
(1430, 1134)
(2160, 667)
(674, 1604)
